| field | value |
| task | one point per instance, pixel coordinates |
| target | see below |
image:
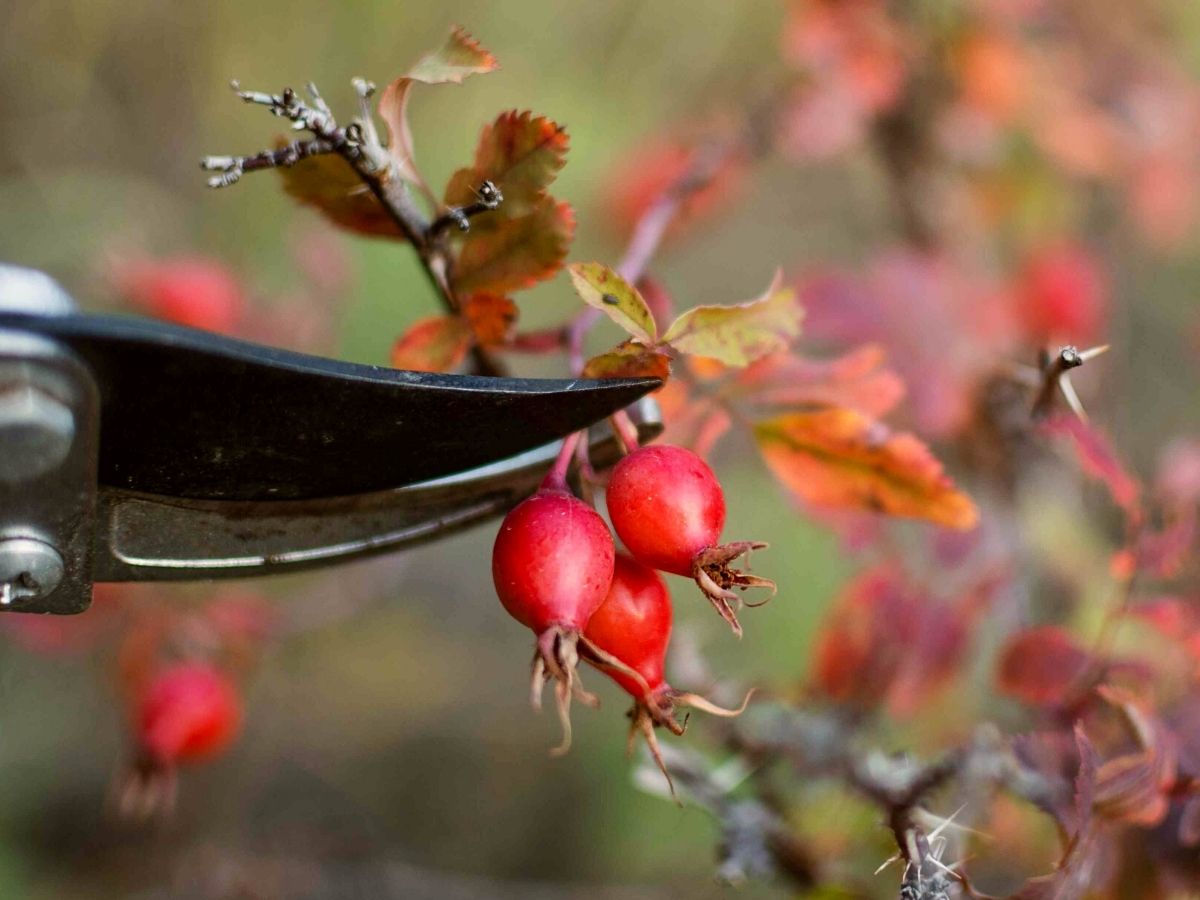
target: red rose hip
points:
(668, 508)
(552, 565)
(627, 639)
(187, 712)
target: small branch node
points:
(487, 197)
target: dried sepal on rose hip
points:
(187, 712)
(627, 638)
(552, 564)
(668, 508)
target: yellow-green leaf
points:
(839, 457)
(601, 287)
(738, 335)
(456, 59)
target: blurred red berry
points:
(189, 712)
(191, 291)
(1062, 296)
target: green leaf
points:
(738, 335)
(601, 287)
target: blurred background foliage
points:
(393, 753)
(389, 749)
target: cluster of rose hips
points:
(557, 572)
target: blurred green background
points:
(390, 753)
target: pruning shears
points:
(137, 450)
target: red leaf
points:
(1173, 617)
(856, 380)
(857, 45)
(884, 640)
(330, 185)
(852, 62)
(1087, 861)
(838, 457)
(1041, 666)
(516, 253)
(994, 74)
(943, 323)
(521, 154)
(865, 639)
(1133, 787)
(1096, 458)
(436, 344)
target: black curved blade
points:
(185, 413)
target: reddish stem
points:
(547, 340)
(647, 235)
(626, 431)
(556, 478)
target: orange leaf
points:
(521, 154)
(436, 344)
(491, 317)
(629, 360)
(838, 457)
(460, 57)
(329, 184)
(517, 253)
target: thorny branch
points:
(822, 745)
(358, 143)
(488, 197)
